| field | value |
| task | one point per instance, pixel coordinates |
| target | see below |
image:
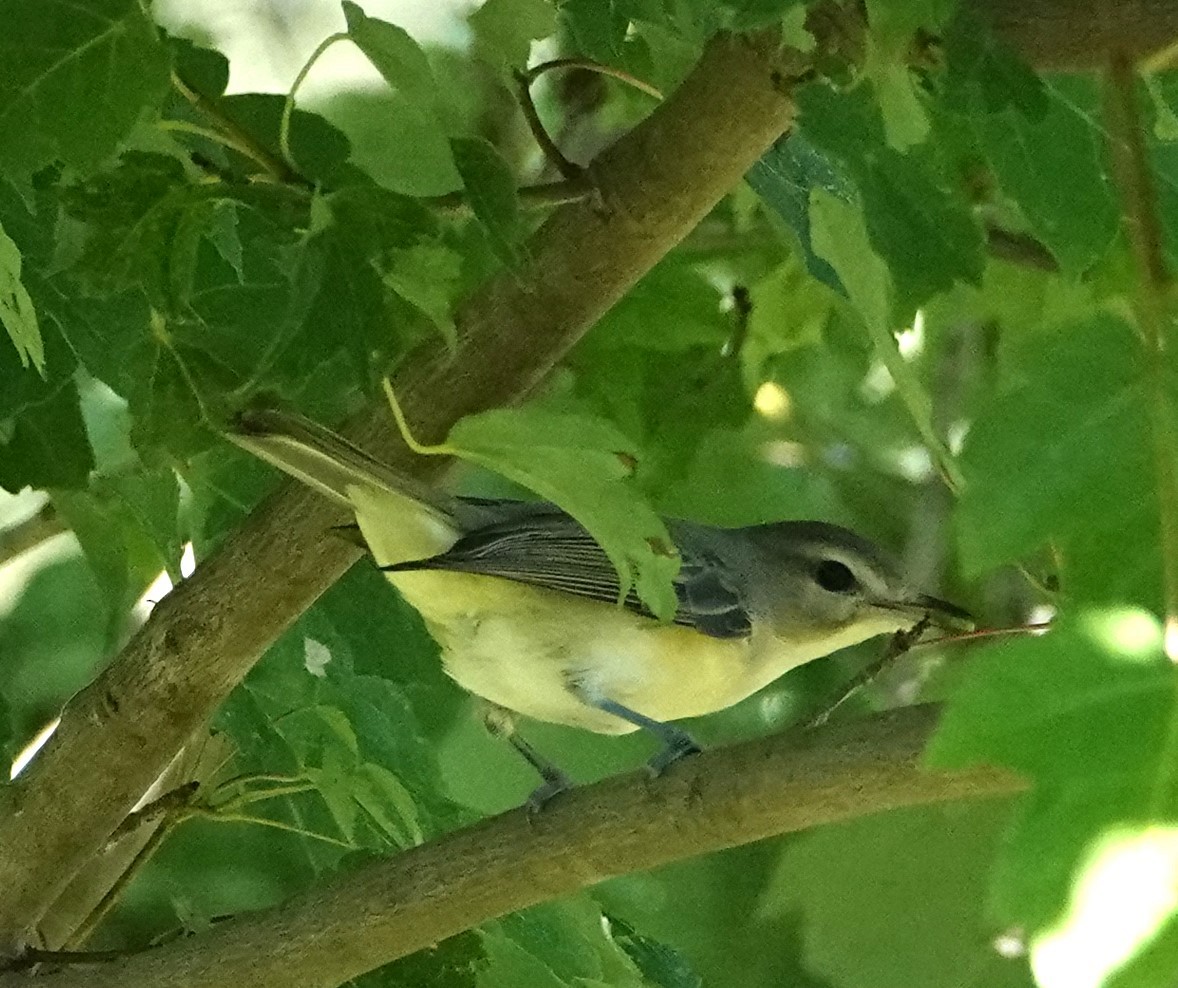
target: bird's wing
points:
(547, 548)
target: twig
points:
(32, 957)
(1037, 628)
(742, 310)
(170, 802)
(900, 643)
(216, 136)
(112, 895)
(570, 171)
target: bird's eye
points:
(834, 576)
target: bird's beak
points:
(940, 613)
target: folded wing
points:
(538, 544)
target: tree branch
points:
(40, 527)
(655, 184)
(719, 799)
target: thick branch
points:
(1080, 34)
(655, 184)
(719, 799)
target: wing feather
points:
(552, 550)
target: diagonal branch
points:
(720, 799)
(655, 184)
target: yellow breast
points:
(522, 646)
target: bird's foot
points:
(555, 782)
(679, 744)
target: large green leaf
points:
(491, 194)
(1088, 713)
(74, 79)
(1063, 456)
(918, 222)
(585, 465)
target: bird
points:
(528, 613)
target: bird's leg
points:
(501, 724)
(677, 743)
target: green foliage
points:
(16, 308)
(834, 341)
(57, 62)
(583, 464)
(1088, 714)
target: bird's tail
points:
(401, 518)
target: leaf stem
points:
(243, 141)
(262, 821)
(917, 402)
(403, 427)
(569, 170)
(530, 196)
(588, 65)
(217, 137)
(112, 895)
(288, 103)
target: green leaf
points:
(144, 220)
(46, 445)
(491, 193)
(672, 309)
(1088, 714)
(752, 15)
(426, 277)
(456, 962)
(74, 80)
(842, 878)
(16, 308)
(120, 526)
(662, 966)
(506, 29)
(394, 53)
(918, 224)
(555, 945)
(840, 237)
(1053, 168)
(320, 150)
(202, 69)
(1080, 478)
(598, 29)
(378, 791)
(8, 740)
(784, 177)
(983, 74)
(584, 465)
(892, 30)
(790, 311)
